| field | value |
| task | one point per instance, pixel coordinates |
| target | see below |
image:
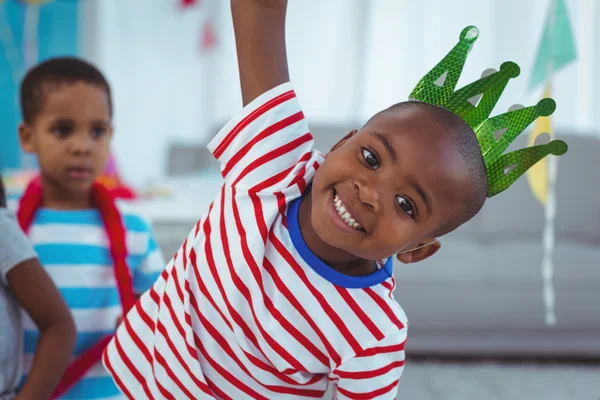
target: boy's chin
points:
(346, 244)
(78, 188)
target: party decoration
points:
(557, 46)
(209, 38)
(187, 3)
(474, 104)
(556, 51)
(111, 180)
(537, 175)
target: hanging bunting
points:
(556, 50)
(208, 39)
(187, 3)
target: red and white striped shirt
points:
(245, 310)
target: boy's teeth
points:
(343, 213)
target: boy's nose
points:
(81, 145)
(369, 195)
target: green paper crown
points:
(474, 104)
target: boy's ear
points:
(420, 253)
(343, 140)
(26, 137)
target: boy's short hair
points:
(52, 74)
(463, 138)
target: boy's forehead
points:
(423, 145)
(409, 125)
(76, 98)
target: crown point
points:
(557, 147)
(545, 107)
(511, 69)
(469, 34)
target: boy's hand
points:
(259, 27)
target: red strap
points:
(29, 204)
(118, 247)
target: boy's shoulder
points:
(267, 146)
(132, 220)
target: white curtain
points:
(348, 59)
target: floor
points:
(427, 380)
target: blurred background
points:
(510, 308)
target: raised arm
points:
(259, 27)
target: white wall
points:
(348, 59)
(149, 51)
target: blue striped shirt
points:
(74, 250)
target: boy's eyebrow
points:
(385, 143)
(68, 120)
(101, 121)
(63, 120)
(422, 193)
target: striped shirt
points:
(73, 248)
(245, 310)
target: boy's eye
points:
(98, 132)
(62, 130)
(371, 158)
(406, 206)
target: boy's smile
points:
(384, 189)
(348, 220)
(71, 138)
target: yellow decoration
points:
(537, 175)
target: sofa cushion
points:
(517, 212)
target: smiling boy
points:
(286, 285)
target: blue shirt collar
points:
(324, 270)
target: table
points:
(174, 216)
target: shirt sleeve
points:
(15, 247)
(151, 266)
(266, 143)
(373, 374)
